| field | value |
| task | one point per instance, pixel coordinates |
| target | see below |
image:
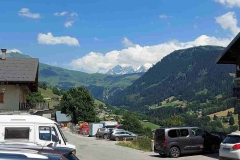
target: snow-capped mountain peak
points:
(118, 69)
(121, 70)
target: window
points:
(197, 132)
(1, 97)
(172, 133)
(231, 139)
(45, 133)
(184, 132)
(17, 133)
(54, 134)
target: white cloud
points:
(61, 13)
(229, 21)
(96, 39)
(229, 3)
(127, 43)
(73, 14)
(194, 26)
(68, 24)
(25, 12)
(164, 16)
(13, 50)
(49, 39)
(138, 55)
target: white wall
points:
(12, 97)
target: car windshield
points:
(232, 139)
(60, 130)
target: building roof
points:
(62, 117)
(25, 118)
(20, 70)
(229, 55)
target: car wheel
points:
(105, 136)
(117, 139)
(174, 152)
(162, 155)
(214, 148)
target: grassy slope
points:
(150, 125)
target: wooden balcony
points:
(37, 106)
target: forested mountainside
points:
(187, 75)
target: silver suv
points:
(103, 132)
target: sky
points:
(96, 35)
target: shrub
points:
(140, 144)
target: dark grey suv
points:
(175, 141)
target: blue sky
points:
(95, 35)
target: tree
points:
(35, 97)
(229, 114)
(215, 117)
(44, 86)
(175, 121)
(78, 103)
(131, 123)
(231, 121)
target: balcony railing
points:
(37, 106)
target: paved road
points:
(88, 148)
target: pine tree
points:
(231, 121)
(215, 117)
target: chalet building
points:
(18, 77)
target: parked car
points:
(175, 141)
(20, 154)
(119, 134)
(230, 147)
(103, 132)
(63, 153)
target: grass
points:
(143, 144)
(169, 104)
(48, 93)
(202, 92)
(97, 102)
(221, 113)
(219, 96)
(150, 125)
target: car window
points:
(17, 133)
(232, 139)
(54, 134)
(172, 133)
(184, 132)
(197, 131)
(45, 133)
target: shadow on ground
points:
(214, 156)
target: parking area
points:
(88, 148)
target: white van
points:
(32, 129)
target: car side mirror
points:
(56, 139)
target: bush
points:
(140, 144)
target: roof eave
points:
(219, 59)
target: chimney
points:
(3, 53)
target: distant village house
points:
(18, 77)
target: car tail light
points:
(165, 142)
(236, 146)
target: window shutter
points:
(1, 97)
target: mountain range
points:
(101, 85)
(119, 70)
(187, 75)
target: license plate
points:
(226, 149)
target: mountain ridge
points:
(101, 85)
(181, 74)
(119, 70)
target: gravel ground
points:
(88, 148)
